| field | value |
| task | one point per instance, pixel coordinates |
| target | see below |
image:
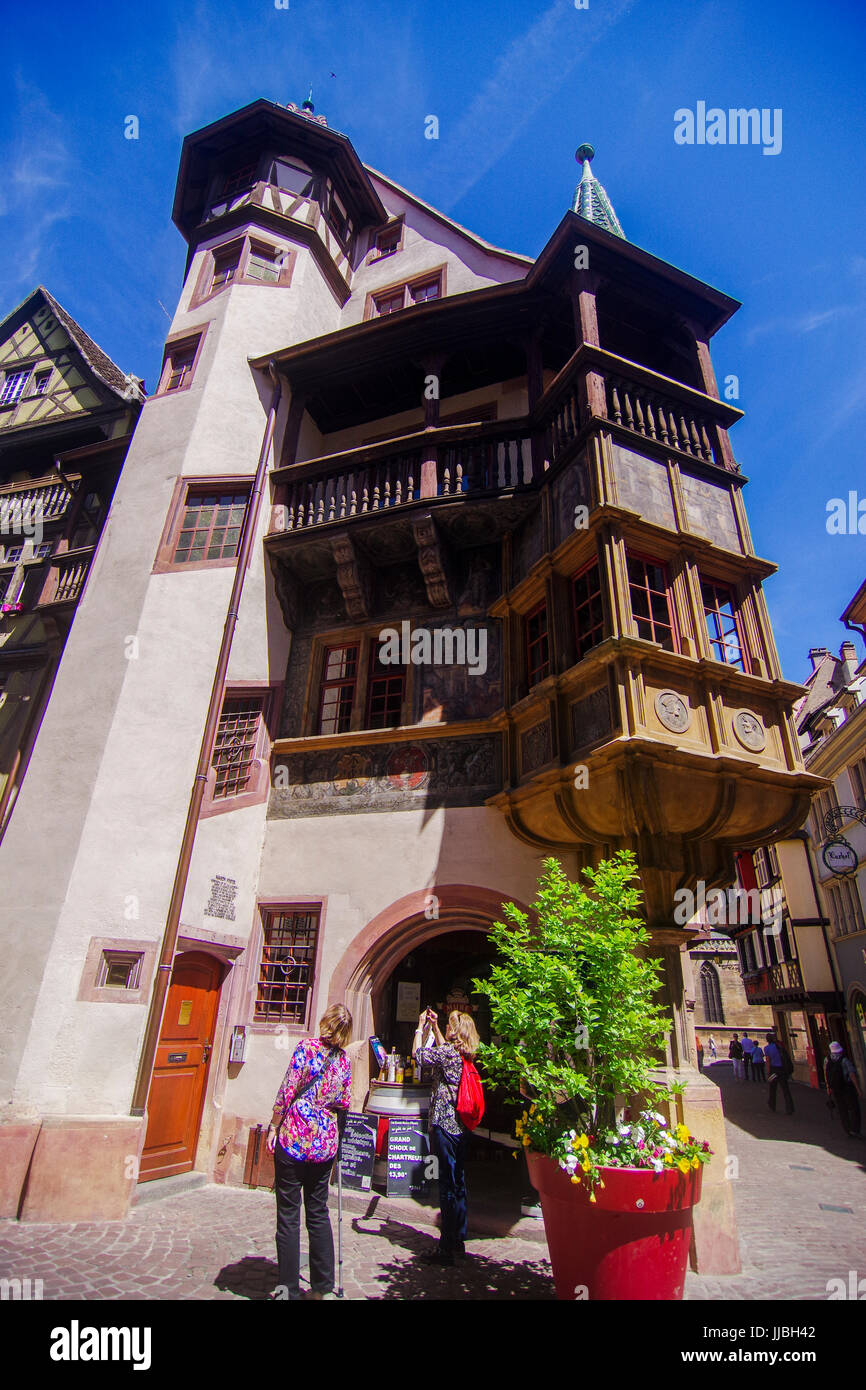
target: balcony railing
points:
(774, 981)
(23, 506)
(296, 206)
(472, 460)
(352, 484)
(66, 579)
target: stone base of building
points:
(17, 1142)
(70, 1168)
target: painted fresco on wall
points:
(445, 693)
(386, 777)
(528, 545)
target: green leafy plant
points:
(578, 1030)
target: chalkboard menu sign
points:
(408, 1149)
(358, 1151)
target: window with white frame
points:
(13, 385)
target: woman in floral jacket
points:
(303, 1138)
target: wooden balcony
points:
(469, 461)
(65, 579)
(774, 983)
(36, 501)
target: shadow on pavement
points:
(477, 1277)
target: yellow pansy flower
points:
(586, 1165)
(683, 1165)
(669, 1158)
(681, 1133)
(696, 1162)
(526, 1141)
(582, 1141)
(575, 1178)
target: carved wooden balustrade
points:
(474, 460)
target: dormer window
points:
(388, 241)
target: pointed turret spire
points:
(590, 199)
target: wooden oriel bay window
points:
(651, 603)
(588, 609)
(537, 645)
(352, 688)
(288, 966)
(723, 628)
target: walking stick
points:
(340, 1224)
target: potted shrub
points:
(578, 1033)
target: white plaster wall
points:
(110, 780)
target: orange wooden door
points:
(174, 1104)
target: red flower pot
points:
(632, 1242)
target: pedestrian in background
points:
(712, 1043)
(757, 1060)
(735, 1052)
(700, 1051)
(779, 1067)
(303, 1138)
(748, 1046)
(841, 1080)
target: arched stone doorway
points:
(367, 963)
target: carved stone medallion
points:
(750, 731)
(673, 711)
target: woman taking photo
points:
(303, 1138)
(448, 1136)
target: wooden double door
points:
(177, 1087)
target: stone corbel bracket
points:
(433, 561)
(353, 576)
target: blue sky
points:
(516, 88)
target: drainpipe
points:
(169, 937)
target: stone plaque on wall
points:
(710, 511)
(223, 892)
(642, 485)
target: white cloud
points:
(525, 76)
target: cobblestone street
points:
(800, 1199)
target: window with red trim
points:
(537, 645)
(588, 610)
(722, 626)
(649, 590)
(387, 690)
(339, 684)
(287, 968)
(211, 526)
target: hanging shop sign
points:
(839, 857)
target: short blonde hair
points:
(463, 1033)
(335, 1025)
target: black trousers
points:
(450, 1149)
(294, 1179)
(849, 1108)
(781, 1081)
